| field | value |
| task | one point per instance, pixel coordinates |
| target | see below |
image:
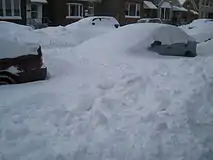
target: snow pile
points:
(100, 21)
(205, 48)
(52, 36)
(201, 29)
(11, 49)
(136, 38)
(105, 102)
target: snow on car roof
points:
(137, 37)
(105, 21)
(12, 49)
(201, 29)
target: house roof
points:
(182, 1)
(181, 9)
(149, 5)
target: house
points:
(22, 11)
(115, 8)
(35, 11)
(191, 10)
(205, 8)
(61, 12)
(13, 11)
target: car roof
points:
(13, 49)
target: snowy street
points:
(108, 99)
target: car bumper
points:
(33, 75)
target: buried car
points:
(145, 38)
(20, 63)
(201, 29)
(96, 21)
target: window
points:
(133, 9)
(75, 10)
(10, 8)
(34, 11)
(165, 13)
(1, 8)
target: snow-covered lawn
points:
(104, 102)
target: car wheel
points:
(4, 80)
(189, 54)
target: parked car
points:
(171, 40)
(150, 20)
(20, 63)
(97, 21)
(201, 29)
(146, 38)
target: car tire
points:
(5, 80)
(189, 54)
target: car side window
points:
(156, 43)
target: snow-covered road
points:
(96, 107)
(107, 103)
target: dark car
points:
(20, 63)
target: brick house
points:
(13, 11)
(61, 12)
(22, 11)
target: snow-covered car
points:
(201, 29)
(97, 21)
(150, 20)
(20, 63)
(142, 37)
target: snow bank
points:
(135, 38)
(201, 29)
(11, 49)
(51, 36)
(103, 104)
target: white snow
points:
(201, 29)
(70, 35)
(110, 99)
(11, 49)
(100, 21)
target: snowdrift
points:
(104, 102)
(51, 36)
(11, 49)
(135, 38)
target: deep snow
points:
(11, 49)
(108, 103)
(201, 29)
(70, 35)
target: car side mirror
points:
(156, 43)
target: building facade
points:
(22, 11)
(13, 11)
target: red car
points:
(20, 63)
